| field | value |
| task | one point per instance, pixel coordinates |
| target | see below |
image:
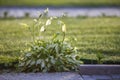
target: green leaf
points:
(45, 70)
(32, 63)
(53, 61)
(28, 54)
(57, 48)
(42, 64)
(66, 69)
(21, 64)
(55, 36)
(49, 65)
(28, 62)
(47, 60)
(38, 61)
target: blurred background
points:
(95, 24)
(74, 8)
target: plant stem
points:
(33, 32)
(63, 36)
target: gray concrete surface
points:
(41, 76)
(101, 77)
(56, 76)
(99, 69)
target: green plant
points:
(8, 61)
(99, 56)
(53, 54)
(91, 36)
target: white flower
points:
(48, 22)
(51, 18)
(42, 29)
(46, 11)
(35, 20)
(63, 28)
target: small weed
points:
(99, 56)
(53, 54)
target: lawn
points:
(94, 35)
(59, 2)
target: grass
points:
(60, 3)
(93, 35)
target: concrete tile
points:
(41, 76)
(116, 77)
(87, 77)
(102, 77)
(2, 78)
(99, 69)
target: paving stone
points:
(99, 69)
(116, 77)
(102, 77)
(2, 78)
(42, 76)
(87, 77)
(56, 76)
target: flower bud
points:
(48, 22)
(46, 11)
(42, 29)
(35, 20)
(63, 28)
